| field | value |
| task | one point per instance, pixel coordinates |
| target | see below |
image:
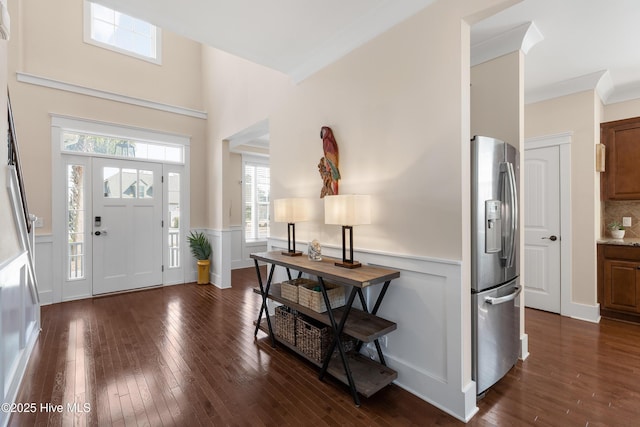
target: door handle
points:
(502, 300)
(552, 238)
(98, 233)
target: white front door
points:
(542, 228)
(127, 225)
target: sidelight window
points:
(174, 219)
(76, 230)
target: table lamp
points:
(347, 210)
(291, 211)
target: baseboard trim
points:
(588, 313)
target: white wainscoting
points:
(220, 272)
(230, 251)
(241, 250)
(428, 347)
(19, 326)
(44, 268)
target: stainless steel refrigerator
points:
(494, 260)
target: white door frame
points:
(59, 124)
(563, 142)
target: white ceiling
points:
(584, 41)
(297, 37)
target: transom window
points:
(73, 142)
(122, 33)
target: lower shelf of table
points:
(369, 376)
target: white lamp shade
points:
(291, 210)
(347, 209)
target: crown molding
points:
(523, 38)
(600, 81)
(624, 93)
(111, 96)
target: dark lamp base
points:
(292, 253)
(349, 264)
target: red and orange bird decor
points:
(328, 166)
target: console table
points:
(362, 374)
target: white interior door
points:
(127, 225)
(542, 228)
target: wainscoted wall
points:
(241, 251)
(19, 326)
(427, 347)
(44, 268)
(230, 251)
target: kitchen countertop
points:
(627, 241)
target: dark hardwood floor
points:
(185, 356)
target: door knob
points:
(97, 233)
(552, 238)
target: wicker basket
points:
(289, 288)
(309, 295)
(313, 338)
(285, 320)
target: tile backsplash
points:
(615, 210)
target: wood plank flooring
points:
(185, 356)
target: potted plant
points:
(201, 250)
(617, 230)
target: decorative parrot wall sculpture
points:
(328, 166)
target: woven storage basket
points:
(285, 320)
(313, 299)
(289, 288)
(313, 338)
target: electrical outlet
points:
(626, 221)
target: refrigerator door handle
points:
(506, 298)
(513, 215)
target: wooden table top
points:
(360, 277)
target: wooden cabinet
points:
(621, 180)
(619, 282)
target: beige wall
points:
(42, 47)
(235, 189)
(578, 113)
(395, 109)
(237, 94)
(621, 110)
(52, 45)
(496, 98)
(9, 244)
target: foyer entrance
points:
(120, 208)
(127, 225)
